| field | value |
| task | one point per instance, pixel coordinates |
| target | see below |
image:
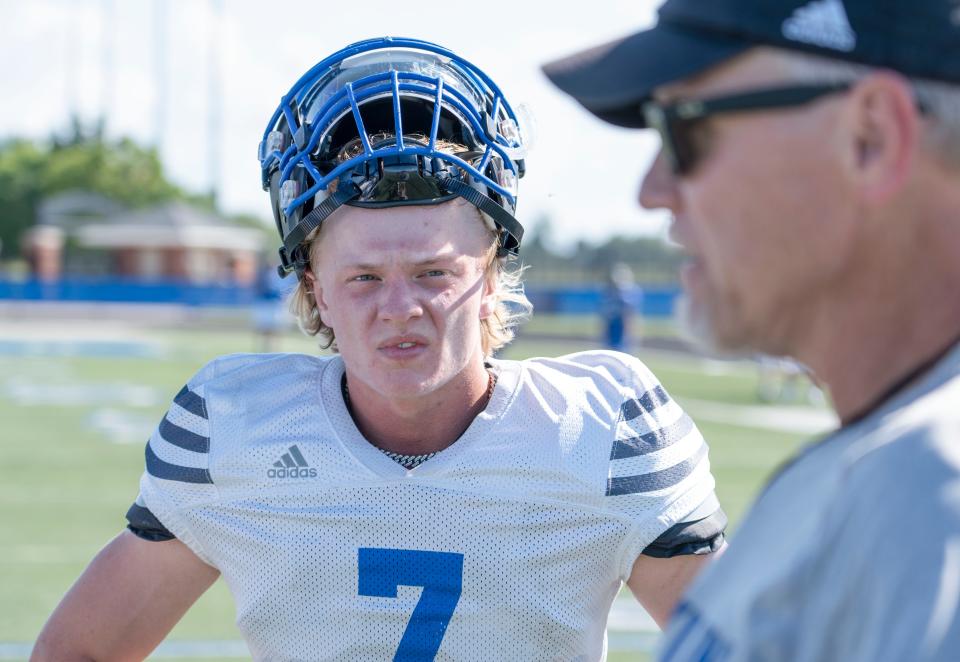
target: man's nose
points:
(658, 189)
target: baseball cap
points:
(918, 38)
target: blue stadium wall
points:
(651, 301)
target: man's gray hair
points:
(941, 101)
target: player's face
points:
(404, 290)
(761, 214)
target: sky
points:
(149, 66)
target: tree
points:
(650, 259)
(21, 188)
(80, 159)
(121, 169)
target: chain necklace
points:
(411, 461)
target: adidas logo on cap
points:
(292, 464)
(821, 23)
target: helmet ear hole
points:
(275, 202)
(279, 201)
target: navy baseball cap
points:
(918, 38)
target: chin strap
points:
(291, 253)
(511, 230)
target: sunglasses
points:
(677, 122)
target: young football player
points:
(410, 496)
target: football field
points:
(78, 401)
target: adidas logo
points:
(821, 23)
(292, 465)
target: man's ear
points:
(886, 126)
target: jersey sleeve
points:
(700, 532)
(658, 475)
(177, 472)
(144, 524)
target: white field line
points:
(803, 420)
(620, 642)
(629, 629)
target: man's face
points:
(763, 216)
(404, 290)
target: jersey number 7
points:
(441, 576)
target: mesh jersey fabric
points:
(575, 466)
(851, 553)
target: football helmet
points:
(372, 125)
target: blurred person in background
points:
(811, 159)
(618, 308)
(519, 495)
(270, 315)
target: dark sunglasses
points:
(675, 122)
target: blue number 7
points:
(441, 576)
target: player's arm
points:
(658, 583)
(126, 601)
(659, 475)
(664, 570)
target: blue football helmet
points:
(362, 127)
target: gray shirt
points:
(851, 553)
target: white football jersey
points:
(508, 545)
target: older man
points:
(811, 159)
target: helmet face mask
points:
(373, 125)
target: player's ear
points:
(488, 304)
(312, 284)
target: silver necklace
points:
(410, 461)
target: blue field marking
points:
(87, 348)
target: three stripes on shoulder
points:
(656, 447)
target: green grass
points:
(627, 657)
(64, 489)
(590, 326)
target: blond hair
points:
(511, 307)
